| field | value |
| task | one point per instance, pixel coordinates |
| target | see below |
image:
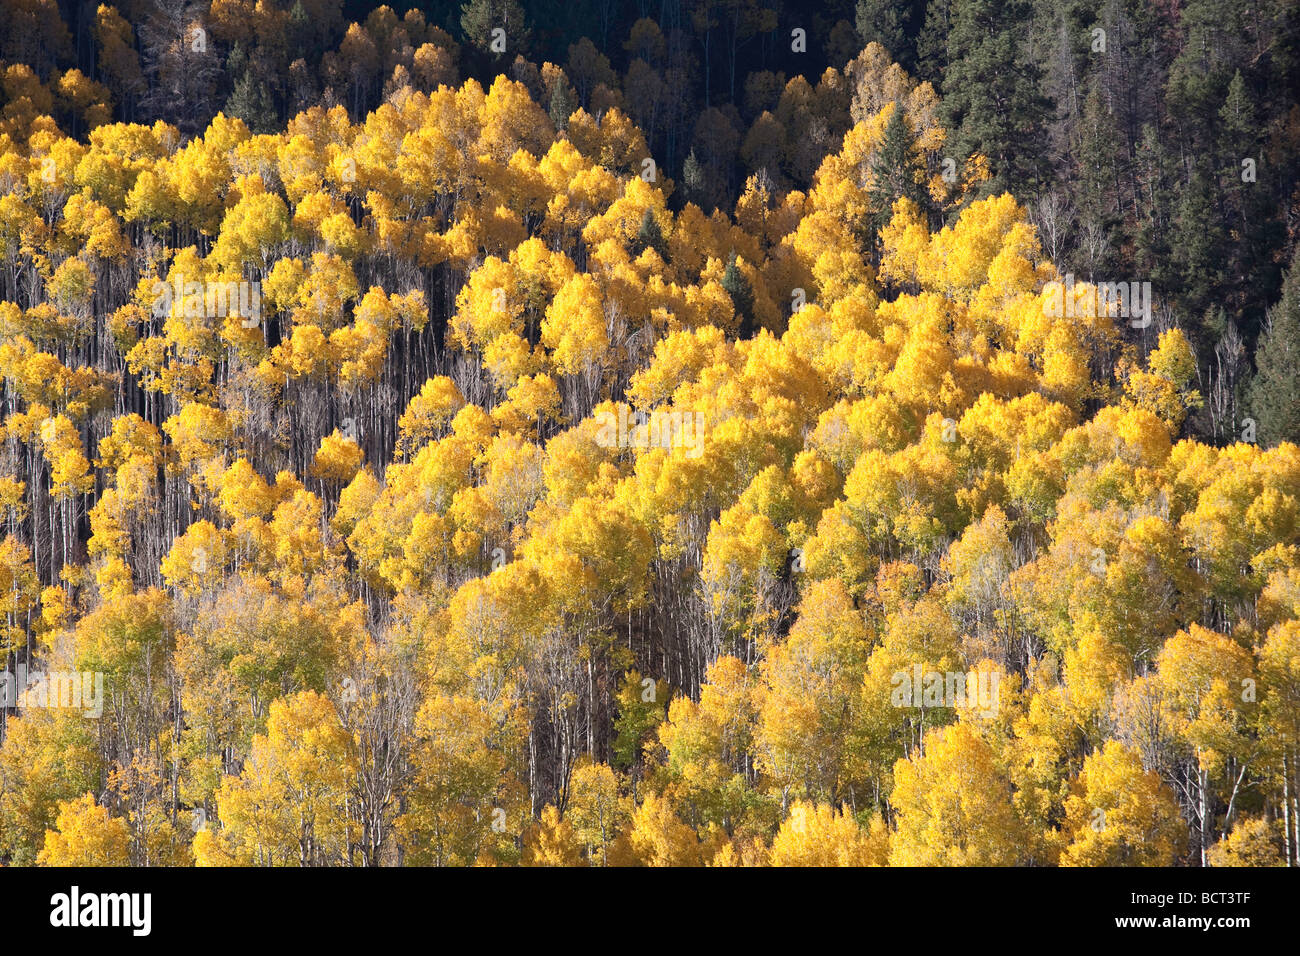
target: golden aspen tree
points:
(84, 835)
(1121, 814)
(954, 805)
(288, 806)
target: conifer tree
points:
(1275, 391)
(650, 236)
(562, 105)
(992, 102)
(895, 171)
(251, 102)
(885, 22)
(742, 295)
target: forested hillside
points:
(698, 433)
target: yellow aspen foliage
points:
(244, 493)
(198, 433)
(126, 638)
(20, 590)
(197, 558)
(131, 437)
(1252, 842)
(532, 402)
(919, 637)
(117, 56)
(980, 562)
(1164, 390)
(772, 400)
(93, 225)
(337, 459)
(355, 501)
(288, 805)
(805, 721)
(141, 788)
(302, 542)
(658, 837)
(574, 328)
(552, 842)
(251, 228)
(56, 608)
(597, 810)
(428, 413)
(12, 494)
(820, 835)
(48, 756)
(461, 800)
(1279, 671)
(69, 471)
(954, 805)
(1201, 675)
(622, 219)
(85, 835)
(1120, 814)
(705, 743)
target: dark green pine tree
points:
(1097, 187)
(1152, 233)
(1215, 36)
(1253, 228)
(692, 179)
(932, 43)
(650, 236)
(562, 105)
(480, 18)
(300, 30)
(742, 296)
(885, 22)
(992, 102)
(236, 60)
(1275, 391)
(251, 102)
(895, 171)
(1198, 249)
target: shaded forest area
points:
(1125, 128)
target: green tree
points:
(479, 18)
(991, 99)
(650, 236)
(251, 102)
(562, 104)
(895, 171)
(742, 295)
(885, 22)
(1275, 391)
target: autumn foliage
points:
(370, 579)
